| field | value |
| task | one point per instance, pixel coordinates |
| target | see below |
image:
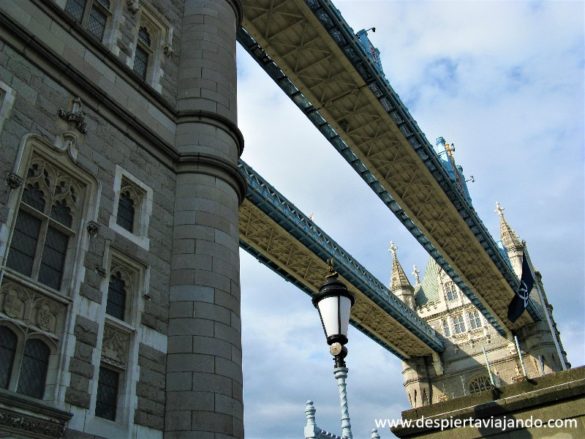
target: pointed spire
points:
(509, 238)
(399, 279)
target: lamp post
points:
(334, 302)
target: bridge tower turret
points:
(399, 283)
(415, 372)
(512, 243)
(541, 339)
(475, 353)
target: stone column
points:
(204, 363)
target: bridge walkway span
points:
(274, 231)
(313, 55)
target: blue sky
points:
(504, 82)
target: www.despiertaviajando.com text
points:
(492, 423)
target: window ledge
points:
(141, 241)
(119, 324)
(57, 295)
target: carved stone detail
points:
(68, 141)
(14, 301)
(135, 193)
(46, 316)
(168, 50)
(20, 422)
(76, 115)
(31, 307)
(115, 346)
(133, 6)
(126, 273)
(168, 44)
(101, 271)
(14, 180)
(93, 228)
(58, 188)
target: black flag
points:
(520, 300)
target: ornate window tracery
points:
(118, 359)
(474, 319)
(48, 216)
(93, 15)
(450, 291)
(114, 363)
(458, 324)
(479, 384)
(154, 36)
(120, 290)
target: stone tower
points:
(415, 372)
(462, 368)
(119, 214)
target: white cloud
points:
(504, 81)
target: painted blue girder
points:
(266, 198)
(345, 38)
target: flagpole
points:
(520, 357)
(487, 362)
(546, 313)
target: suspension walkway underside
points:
(274, 231)
(313, 55)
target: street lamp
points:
(334, 302)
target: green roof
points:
(429, 290)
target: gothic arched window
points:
(116, 305)
(474, 319)
(479, 384)
(143, 52)
(126, 211)
(46, 220)
(91, 14)
(458, 324)
(451, 291)
(8, 343)
(33, 372)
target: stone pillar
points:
(204, 363)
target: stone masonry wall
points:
(151, 388)
(80, 365)
(41, 89)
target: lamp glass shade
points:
(335, 312)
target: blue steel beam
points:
(345, 38)
(266, 198)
